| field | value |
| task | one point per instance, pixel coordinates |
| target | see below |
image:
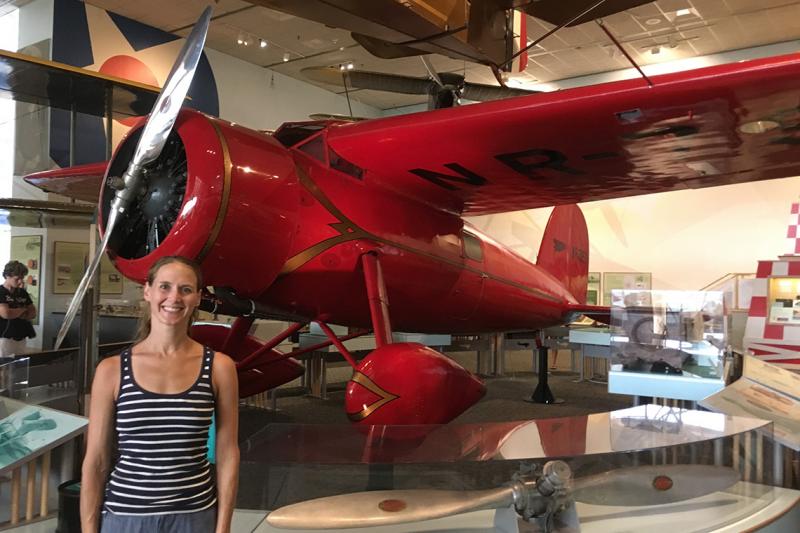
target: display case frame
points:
(306, 462)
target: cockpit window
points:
(472, 246)
(315, 148)
(291, 134)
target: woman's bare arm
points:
(226, 390)
(99, 442)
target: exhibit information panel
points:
(783, 300)
(633, 466)
(29, 430)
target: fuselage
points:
(441, 274)
(286, 222)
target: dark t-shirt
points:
(16, 328)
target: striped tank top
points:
(161, 466)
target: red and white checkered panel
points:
(792, 232)
(778, 344)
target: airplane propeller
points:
(151, 142)
(637, 486)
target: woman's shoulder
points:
(222, 360)
(106, 376)
(108, 364)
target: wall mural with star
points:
(89, 37)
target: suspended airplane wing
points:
(23, 213)
(713, 126)
(40, 81)
(478, 30)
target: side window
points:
(315, 148)
(472, 246)
(343, 165)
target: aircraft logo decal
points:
(385, 397)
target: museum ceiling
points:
(656, 32)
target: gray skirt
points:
(197, 522)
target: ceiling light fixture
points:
(262, 43)
(239, 41)
(655, 50)
(683, 12)
(653, 22)
(285, 57)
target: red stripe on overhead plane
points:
(791, 232)
(758, 306)
(773, 331)
(794, 268)
(795, 208)
(764, 269)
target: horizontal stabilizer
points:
(80, 182)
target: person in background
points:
(156, 400)
(16, 310)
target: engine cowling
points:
(219, 193)
(409, 383)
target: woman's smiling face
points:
(174, 294)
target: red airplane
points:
(361, 224)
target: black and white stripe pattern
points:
(162, 444)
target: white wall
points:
(687, 239)
(260, 98)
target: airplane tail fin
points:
(564, 252)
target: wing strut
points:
(624, 52)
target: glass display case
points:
(668, 344)
(647, 468)
(27, 431)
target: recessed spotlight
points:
(758, 126)
(239, 41)
(653, 22)
(286, 57)
(262, 43)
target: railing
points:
(737, 289)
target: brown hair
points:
(14, 268)
(143, 328)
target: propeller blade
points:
(653, 485)
(638, 486)
(431, 71)
(155, 133)
(386, 507)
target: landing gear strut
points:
(542, 393)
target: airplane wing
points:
(713, 126)
(80, 182)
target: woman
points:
(155, 400)
(16, 310)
